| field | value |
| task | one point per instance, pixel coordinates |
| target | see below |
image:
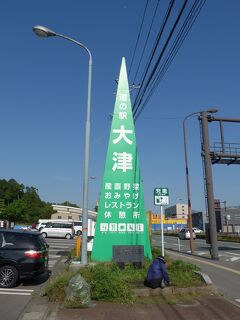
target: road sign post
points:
(161, 198)
(162, 234)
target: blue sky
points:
(44, 90)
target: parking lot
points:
(14, 300)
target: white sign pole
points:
(162, 236)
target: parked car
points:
(23, 254)
(185, 234)
(40, 226)
(77, 225)
(197, 230)
(58, 229)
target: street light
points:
(45, 33)
(187, 175)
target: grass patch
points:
(183, 274)
(109, 283)
(55, 289)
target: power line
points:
(162, 118)
(167, 15)
(135, 110)
(175, 47)
(182, 35)
(138, 37)
(146, 41)
(187, 25)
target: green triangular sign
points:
(121, 214)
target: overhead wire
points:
(150, 59)
(186, 28)
(136, 107)
(175, 47)
(181, 37)
(138, 37)
(146, 41)
(187, 25)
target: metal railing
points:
(226, 148)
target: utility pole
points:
(209, 186)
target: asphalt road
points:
(224, 273)
(228, 251)
(13, 301)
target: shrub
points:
(183, 274)
(107, 282)
(55, 290)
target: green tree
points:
(10, 190)
(27, 210)
(27, 207)
(69, 204)
(2, 205)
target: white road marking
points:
(202, 253)
(234, 259)
(19, 292)
(54, 256)
(16, 293)
(58, 247)
(22, 290)
(233, 254)
(238, 300)
(159, 242)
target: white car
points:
(58, 230)
(185, 234)
(77, 225)
(40, 226)
(197, 230)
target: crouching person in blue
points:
(157, 274)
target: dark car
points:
(23, 254)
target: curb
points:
(38, 307)
(209, 287)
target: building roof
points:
(70, 210)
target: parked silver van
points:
(58, 230)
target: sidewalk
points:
(211, 307)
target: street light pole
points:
(187, 176)
(188, 184)
(45, 32)
(209, 185)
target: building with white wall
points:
(74, 214)
(70, 213)
(178, 211)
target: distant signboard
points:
(161, 196)
(156, 219)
